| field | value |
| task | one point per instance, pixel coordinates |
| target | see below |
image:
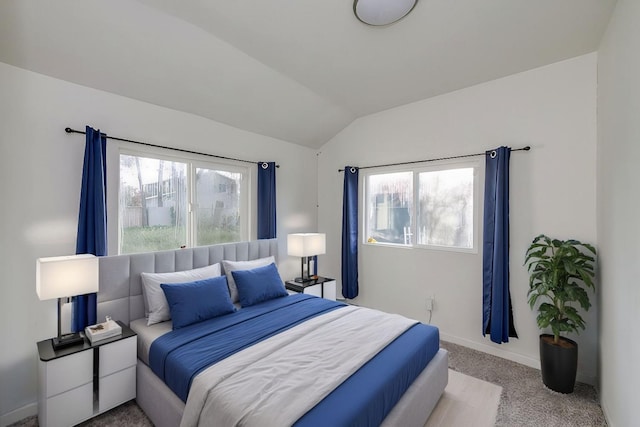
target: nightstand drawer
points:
(117, 356)
(68, 372)
(69, 408)
(117, 388)
(77, 382)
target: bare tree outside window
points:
(445, 208)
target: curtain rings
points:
(493, 154)
(352, 169)
(265, 165)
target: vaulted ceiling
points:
(299, 71)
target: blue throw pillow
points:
(194, 302)
(259, 284)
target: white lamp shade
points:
(382, 12)
(306, 244)
(66, 276)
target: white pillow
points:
(156, 305)
(230, 266)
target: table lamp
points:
(62, 277)
(305, 245)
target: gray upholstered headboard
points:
(120, 294)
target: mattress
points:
(147, 335)
(368, 395)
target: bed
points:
(306, 339)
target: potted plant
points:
(560, 272)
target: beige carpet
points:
(466, 401)
(525, 401)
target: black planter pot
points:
(559, 363)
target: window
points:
(167, 203)
(445, 208)
(390, 204)
(423, 207)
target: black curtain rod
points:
(69, 130)
(527, 148)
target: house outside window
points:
(390, 207)
(168, 203)
(431, 207)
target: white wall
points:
(619, 213)
(552, 109)
(40, 176)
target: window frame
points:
(416, 170)
(194, 161)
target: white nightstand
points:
(320, 287)
(79, 382)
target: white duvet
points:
(276, 381)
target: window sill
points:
(423, 247)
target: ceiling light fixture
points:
(382, 12)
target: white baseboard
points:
(509, 355)
(605, 412)
(19, 414)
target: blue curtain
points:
(350, 233)
(92, 220)
(266, 200)
(497, 314)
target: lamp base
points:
(305, 279)
(66, 340)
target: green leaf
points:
(582, 298)
(569, 266)
(560, 272)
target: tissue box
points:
(102, 331)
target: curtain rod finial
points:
(527, 148)
(68, 130)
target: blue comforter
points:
(364, 399)
(178, 356)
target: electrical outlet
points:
(429, 303)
